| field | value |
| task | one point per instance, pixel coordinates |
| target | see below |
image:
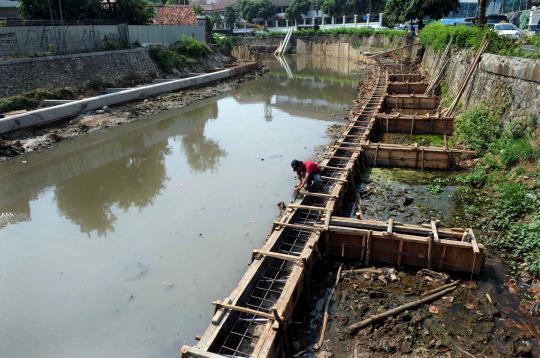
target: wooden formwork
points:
(412, 245)
(412, 156)
(312, 218)
(410, 101)
(407, 87)
(414, 124)
(405, 77)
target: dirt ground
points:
(37, 139)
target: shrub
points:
(225, 42)
(163, 58)
(512, 151)
(477, 128)
(436, 35)
(16, 103)
(191, 47)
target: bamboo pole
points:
(440, 288)
(319, 344)
(355, 327)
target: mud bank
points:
(37, 139)
(482, 317)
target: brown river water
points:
(115, 244)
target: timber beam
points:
(407, 87)
(404, 77)
(410, 101)
(414, 124)
(412, 156)
(425, 248)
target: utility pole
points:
(60, 9)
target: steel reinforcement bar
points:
(252, 321)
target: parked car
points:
(506, 29)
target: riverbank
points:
(37, 139)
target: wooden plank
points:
(279, 255)
(474, 244)
(307, 207)
(430, 250)
(194, 352)
(368, 247)
(299, 226)
(319, 195)
(434, 230)
(227, 306)
(390, 228)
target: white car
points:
(506, 29)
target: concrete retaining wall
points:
(51, 114)
(348, 47)
(76, 71)
(511, 83)
(33, 40)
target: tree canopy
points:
(297, 8)
(398, 11)
(129, 11)
(334, 7)
(72, 10)
(198, 9)
(230, 17)
(255, 9)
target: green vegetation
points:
(197, 8)
(31, 100)
(400, 11)
(230, 16)
(190, 46)
(501, 192)
(122, 11)
(360, 31)
(437, 185)
(225, 43)
(255, 9)
(437, 35)
(297, 8)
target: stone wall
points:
(509, 82)
(264, 44)
(75, 71)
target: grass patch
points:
(190, 47)
(436, 35)
(498, 192)
(167, 60)
(30, 100)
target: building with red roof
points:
(175, 15)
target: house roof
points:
(219, 5)
(175, 15)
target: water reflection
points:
(305, 86)
(132, 181)
(120, 168)
(202, 153)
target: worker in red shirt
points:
(308, 174)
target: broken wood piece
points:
(298, 226)
(307, 207)
(355, 327)
(319, 344)
(440, 288)
(363, 270)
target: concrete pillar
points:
(277, 23)
(295, 23)
(355, 19)
(304, 20)
(287, 23)
(381, 18)
(367, 19)
(322, 20)
(266, 24)
(344, 19)
(333, 20)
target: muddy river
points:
(115, 244)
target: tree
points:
(131, 11)
(198, 9)
(297, 8)
(397, 11)
(230, 17)
(252, 9)
(334, 8)
(72, 10)
(482, 5)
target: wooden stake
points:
(319, 344)
(368, 249)
(354, 328)
(430, 250)
(440, 288)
